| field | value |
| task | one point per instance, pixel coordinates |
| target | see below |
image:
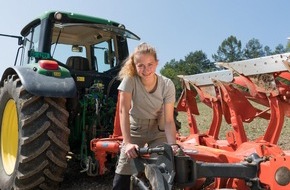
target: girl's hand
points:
(130, 150)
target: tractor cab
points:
(88, 47)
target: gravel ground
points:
(75, 180)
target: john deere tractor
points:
(60, 94)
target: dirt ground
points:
(75, 180)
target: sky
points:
(174, 28)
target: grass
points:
(253, 129)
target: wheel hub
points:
(9, 136)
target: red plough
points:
(228, 93)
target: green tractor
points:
(60, 94)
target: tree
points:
(267, 51)
(172, 70)
(253, 49)
(279, 49)
(288, 45)
(194, 62)
(198, 62)
(230, 50)
(169, 69)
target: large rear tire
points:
(34, 138)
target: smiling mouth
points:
(146, 75)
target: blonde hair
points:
(129, 68)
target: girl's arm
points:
(169, 124)
(125, 105)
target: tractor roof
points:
(80, 17)
(69, 17)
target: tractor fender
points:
(42, 85)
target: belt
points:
(144, 121)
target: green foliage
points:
(253, 49)
(279, 49)
(197, 62)
(288, 46)
(267, 50)
(194, 62)
(230, 50)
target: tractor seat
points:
(78, 63)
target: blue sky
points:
(175, 28)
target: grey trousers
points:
(143, 131)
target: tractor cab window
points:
(30, 44)
(61, 52)
(104, 56)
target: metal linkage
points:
(181, 171)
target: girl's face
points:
(146, 65)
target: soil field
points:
(75, 180)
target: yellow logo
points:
(57, 74)
(81, 79)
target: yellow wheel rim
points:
(9, 137)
